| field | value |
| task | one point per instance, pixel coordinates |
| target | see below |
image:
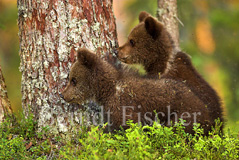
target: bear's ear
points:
(143, 15)
(86, 57)
(153, 27)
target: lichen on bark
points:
(167, 14)
(50, 32)
(5, 106)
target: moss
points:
(20, 140)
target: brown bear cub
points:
(151, 45)
(125, 97)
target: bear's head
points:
(147, 43)
(78, 89)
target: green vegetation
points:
(20, 140)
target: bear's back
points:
(165, 96)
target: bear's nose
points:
(61, 96)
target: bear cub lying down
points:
(130, 97)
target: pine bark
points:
(50, 32)
(5, 106)
(167, 14)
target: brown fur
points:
(183, 70)
(154, 48)
(146, 45)
(91, 78)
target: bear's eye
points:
(132, 43)
(73, 81)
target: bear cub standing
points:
(150, 44)
(130, 97)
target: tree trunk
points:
(167, 14)
(50, 32)
(5, 106)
